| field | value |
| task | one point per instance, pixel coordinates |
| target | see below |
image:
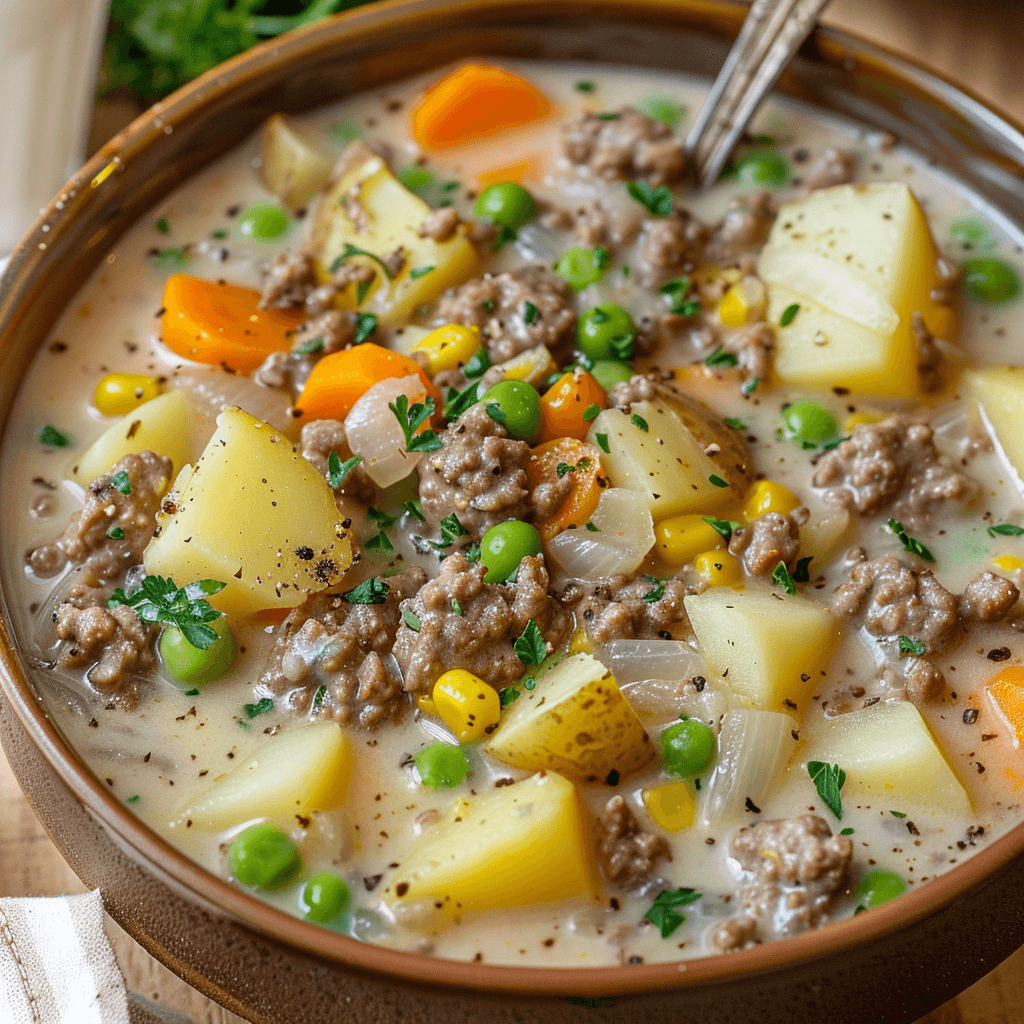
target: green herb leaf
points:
(472, 553)
(414, 509)
(220, 234)
(721, 358)
(307, 348)
(602, 442)
(338, 470)
(366, 324)
(789, 314)
(115, 533)
(450, 529)
(592, 528)
(371, 591)
(132, 799)
(915, 547)
(663, 913)
(172, 259)
(318, 699)
(379, 542)
(802, 573)
(897, 814)
(584, 86)
(384, 520)
(846, 832)
(410, 419)
(1005, 530)
(658, 591)
(363, 289)
(717, 481)
(530, 647)
(782, 579)
(735, 424)
(639, 422)
(675, 292)
(562, 468)
(656, 201)
(163, 225)
(457, 402)
(121, 482)
(351, 250)
(725, 527)
(479, 363)
(623, 346)
(909, 646)
(496, 412)
(591, 412)
(159, 599)
(507, 694)
(417, 272)
(193, 691)
(456, 607)
(505, 235)
(609, 116)
(828, 780)
(487, 305)
(53, 437)
(530, 312)
(750, 386)
(411, 619)
(261, 707)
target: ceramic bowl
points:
(893, 964)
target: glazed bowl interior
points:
(370, 47)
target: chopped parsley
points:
(192, 691)
(53, 437)
(450, 529)
(910, 646)
(782, 579)
(656, 201)
(410, 419)
(380, 541)
(735, 424)
(789, 314)
(132, 799)
(496, 412)
(307, 348)
(505, 235)
(457, 402)
(456, 607)
(717, 481)
(565, 467)
(351, 250)
(487, 305)
(1005, 530)
(318, 699)
(530, 648)
(417, 272)
(371, 591)
(828, 781)
(802, 574)
(750, 386)
(846, 832)
(171, 258)
(163, 225)
(584, 86)
(530, 312)
(639, 422)
(414, 509)
(609, 116)
(115, 533)
(479, 363)
(121, 482)
(602, 441)
(159, 599)
(675, 295)
(261, 707)
(220, 234)
(897, 814)
(723, 526)
(507, 694)
(623, 346)
(472, 553)
(591, 412)
(366, 324)
(721, 358)
(338, 470)
(411, 619)
(363, 289)
(592, 528)
(657, 592)
(663, 913)
(914, 546)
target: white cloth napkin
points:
(56, 965)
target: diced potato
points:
(858, 260)
(998, 393)
(889, 753)
(575, 722)
(300, 771)
(392, 217)
(291, 166)
(664, 463)
(162, 425)
(252, 513)
(772, 645)
(513, 847)
(824, 533)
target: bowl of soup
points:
(452, 567)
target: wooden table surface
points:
(973, 42)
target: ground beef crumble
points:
(768, 540)
(318, 440)
(791, 870)
(479, 633)
(671, 244)
(620, 608)
(743, 229)
(834, 167)
(627, 854)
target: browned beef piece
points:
(498, 305)
(627, 854)
(627, 146)
(929, 355)
(988, 598)
(833, 167)
(671, 244)
(615, 608)
(742, 230)
(466, 623)
(288, 280)
(439, 225)
(894, 462)
(345, 648)
(479, 473)
(87, 542)
(752, 345)
(792, 869)
(596, 224)
(639, 388)
(317, 337)
(318, 440)
(768, 540)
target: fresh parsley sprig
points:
(530, 646)
(410, 419)
(351, 250)
(656, 201)
(160, 599)
(829, 781)
(338, 470)
(663, 912)
(911, 544)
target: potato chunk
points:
(858, 260)
(772, 645)
(515, 846)
(291, 167)
(888, 753)
(575, 722)
(367, 207)
(303, 770)
(998, 394)
(162, 425)
(252, 513)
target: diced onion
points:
(752, 746)
(374, 432)
(633, 661)
(624, 535)
(213, 391)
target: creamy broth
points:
(174, 745)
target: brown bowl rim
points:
(185, 875)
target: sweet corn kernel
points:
(718, 568)
(681, 539)
(118, 394)
(449, 347)
(580, 643)
(466, 704)
(425, 703)
(864, 416)
(1008, 562)
(533, 366)
(768, 496)
(672, 806)
(733, 308)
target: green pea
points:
(609, 372)
(661, 108)
(879, 887)
(506, 203)
(265, 222)
(971, 234)
(687, 747)
(518, 407)
(808, 421)
(991, 280)
(583, 267)
(606, 332)
(263, 857)
(504, 546)
(416, 179)
(324, 897)
(441, 765)
(191, 666)
(767, 169)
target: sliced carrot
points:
(473, 102)
(339, 380)
(1007, 691)
(510, 172)
(581, 462)
(563, 405)
(214, 322)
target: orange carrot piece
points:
(1007, 691)
(510, 172)
(339, 380)
(213, 322)
(587, 481)
(473, 102)
(563, 404)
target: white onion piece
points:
(374, 432)
(662, 700)
(624, 535)
(632, 661)
(752, 746)
(213, 391)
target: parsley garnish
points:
(115, 533)
(456, 607)
(172, 259)
(657, 592)
(507, 694)
(410, 419)
(782, 579)
(789, 314)
(487, 305)
(158, 599)
(450, 529)
(721, 358)
(675, 293)
(639, 422)
(584, 86)
(607, 117)
(915, 547)
(192, 691)
(909, 646)
(801, 574)
(1005, 530)
(656, 201)
(591, 412)
(411, 619)
(53, 437)
(163, 225)
(371, 591)
(562, 468)
(592, 528)
(351, 250)
(623, 346)
(414, 509)
(530, 647)
(219, 234)
(261, 707)
(132, 799)
(663, 913)
(828, 780)
(338, 470)
(897, 814)
(366, 324)
(496, 412)
(602, 441)
(472, 553)
(846, 832)
(121, 482)
(363, 289)
(457, 402)
(318, 699)
(717, 481)
(381, 541)
(750, 386)
(530, 312)
(417, 272)
(735, 424)
(723, 526)
(479, 363)
(505, 235)
(307, 348)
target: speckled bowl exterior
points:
(891, 965)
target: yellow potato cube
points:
(291, 166)
(254, 514)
